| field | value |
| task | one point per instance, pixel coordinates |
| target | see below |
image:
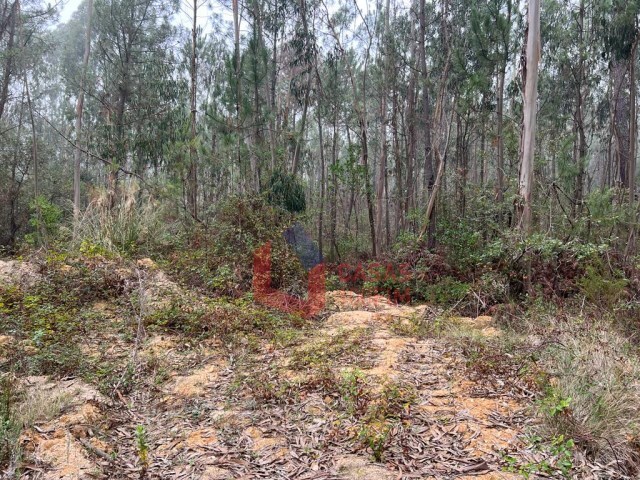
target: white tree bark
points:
(529, 114)
(79, 111)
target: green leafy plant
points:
(352, 390)
(376, 438)
(10, 427)
(142, 446)
(563, 448)
(45, 220)
(556, 404)
(286, 191)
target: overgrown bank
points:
(564, 351)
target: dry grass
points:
(20, 410)
(135, 219)
(595, 392)
(39, 405)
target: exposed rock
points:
(195, 384)
(342, 300)
(355, 467)
(261, 442)
(215, 473)
(14, 272)
(66, 457)
(79, 391)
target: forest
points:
(319, 239)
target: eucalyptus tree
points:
(79, 113)
(192, 7)
(529, 114)
(25, 39)
(491, 37)
(8, 28)
(358, 81)
(621, 42)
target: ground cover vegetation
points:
(465, 169)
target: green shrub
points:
(447, 292)
(10, 427)
(602, 287)
(45, 221)
(221, 260)
(285, 190)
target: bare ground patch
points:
(349, 399)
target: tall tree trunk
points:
(382, 163)
(529, 114)
(272, 87)
(426, 118)
(238, 76)
(398, 163)
(633, 122)
(500, 133)
(77, 160)
(368, 192)
(10, 55)
(579, 119)
(14, 193)
(361, 111)
(411, 137)
(303, 121)
(334, 188)
(620, 119)
(34, 159)
(322, 186)
(482, 153)
(192, 175)
(303, 124)
(257, 140)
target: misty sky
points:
(67, 10)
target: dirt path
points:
(358, 397)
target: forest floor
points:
(365, 391)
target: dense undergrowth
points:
(571, 311)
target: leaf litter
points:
(363, 402)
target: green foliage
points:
(10, 427)
(563, 450)
(142, 446)
(221, 260)
(89, 249)
(376, 438)
(352, 390)
(45, 220)
(446, 292)
(349, 171)
(462, 241)
(237, 322)
(601, 286)
(340, 348)
(334, 282)
(50, 318)
(554, 403)
(285, 190)
(388, 279)
(560, 451)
